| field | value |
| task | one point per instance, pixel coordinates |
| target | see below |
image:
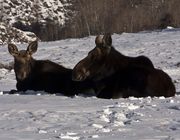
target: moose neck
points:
(114, 62)
(32, 63)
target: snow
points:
(28, 10)
(11, 34)
(15, 12)
(41, 116)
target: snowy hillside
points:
(41, 116)
(20, 14)
(33, 10)
(11, 34)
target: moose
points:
(116, 75)
(38, 75)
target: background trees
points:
(117, 16)
(91, 17)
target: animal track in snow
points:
(117, 116)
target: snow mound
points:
(10, 34)
(34, 10)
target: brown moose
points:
(43, 75)
(116, 75)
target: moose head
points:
(94, 65)
(23, 59)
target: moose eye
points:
(16, 54)
(92, 55)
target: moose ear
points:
(32, 48)
(107, 43)
(98, 40)
(107, 40)
(13, 50)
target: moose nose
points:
(21, 76)
(80, 75)
(76, 77)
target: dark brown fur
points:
(117, 75)
(43, 75)
(136, 81)
(104, 60)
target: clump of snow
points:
(169, 29)
(22, 14)
(10, 34)
(97, 126)
(37, 10)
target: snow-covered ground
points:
(41, 116)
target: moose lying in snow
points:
(43, 75)
(116, 75)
